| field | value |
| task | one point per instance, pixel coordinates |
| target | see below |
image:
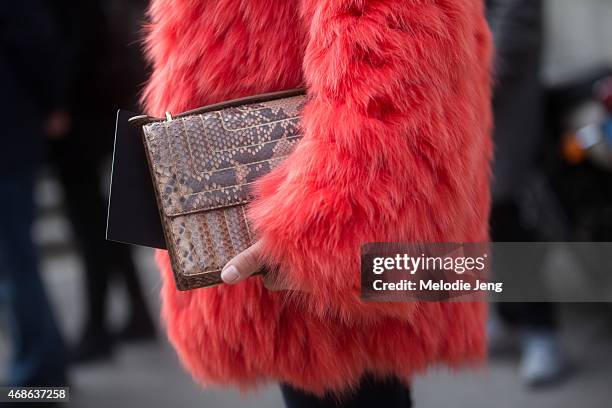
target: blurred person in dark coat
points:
(519, 112)
(105, 73)
(31, 104)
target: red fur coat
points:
(396, 148)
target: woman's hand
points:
(247, 263)
(243, 265)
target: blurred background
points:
(77, 310)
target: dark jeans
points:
(507, 226)
(372, 392)
(77, 158)
(38, 353)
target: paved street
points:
(151, 375)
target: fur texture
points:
(396, 148)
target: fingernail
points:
(230, 274)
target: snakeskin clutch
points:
(203, 163)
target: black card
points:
(133, 217)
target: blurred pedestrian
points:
(519, 111)
(32, 108)
(105, 73)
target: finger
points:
(243, 265)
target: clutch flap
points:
(206, 161)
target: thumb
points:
(243, 265)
